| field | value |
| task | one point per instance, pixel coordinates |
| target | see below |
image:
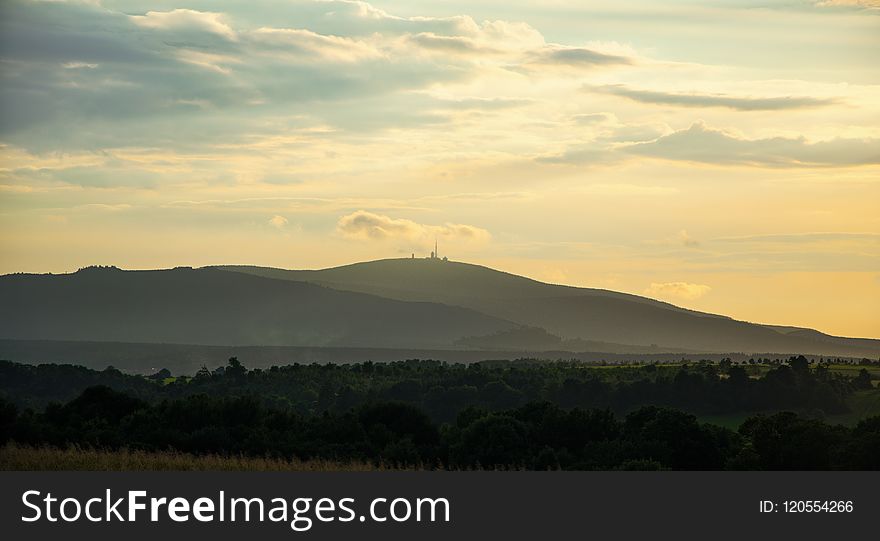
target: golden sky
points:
(723, 156)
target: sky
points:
(723, 156)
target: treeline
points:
(537, 436)
(444, 390)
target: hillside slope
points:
(213, 307)
(570, 312)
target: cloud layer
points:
(132, 79)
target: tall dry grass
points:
(15, 457)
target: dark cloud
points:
(190, 77)
(577, 57)
(714, 100)
(185, 78)
(699, 143)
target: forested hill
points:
(214, 307)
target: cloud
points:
(278, 221)
(455, 44)
(363, 225)
(214, 62)
(578, 57)
(605, 134)
(486, 104)
(585, 154)
(634, 133)
(305, 43)
(682, 238)
(78, 65)
(686, 240)
(804, 237)
(574, 57)
(871, 4)
(107, 174)
(246, 71)
(700, 143)
(677, 290)
(589, 119)
(183, 20)
(715, 100)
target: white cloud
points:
(677, 290)
(311, 44)
(186, 19)
(210, 61)
(78, 65)
(363, 225)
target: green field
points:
(853, 370)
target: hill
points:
(215, 307)
(571, 313)
(395, 304)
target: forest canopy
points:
(519, 415)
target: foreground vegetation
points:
(16, 457)
(424, 414)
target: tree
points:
(862, 451)
(203, 373)
(161, 375)
(492, 442)
(8, 416)
(863, 380)
(785, 441)
(799, 364)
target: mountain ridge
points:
(391, 303)
(570, 312)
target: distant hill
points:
(396, 304)
(570, 313)
(215, 307)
